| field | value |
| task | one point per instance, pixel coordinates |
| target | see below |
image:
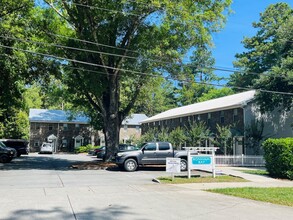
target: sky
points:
(239, 24)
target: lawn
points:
(277, 195)
(256, 172)
(208, 179)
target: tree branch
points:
(59, 13)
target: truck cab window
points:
(164, 146)
(150, 147)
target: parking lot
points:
(45, 187)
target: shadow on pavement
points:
(39, 162)
(109, 213)
(141, 168)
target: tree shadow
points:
(109, 213)
(39, 162)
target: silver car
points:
(46, 148)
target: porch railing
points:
(242, 160)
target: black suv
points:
(6, 153)
(21, 146)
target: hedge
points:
(278, 154)
(85, 149)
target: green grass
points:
(280, 196)
(208, 179)
(256, 172)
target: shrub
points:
(278, 154)
(85, 149)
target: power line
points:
(141, 73)
(100, 8)
(136, 58)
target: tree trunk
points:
(112, 118)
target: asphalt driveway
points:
(44, 187)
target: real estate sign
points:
(173, 165)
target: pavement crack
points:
(90, 189)
(73, 213)
(60, 180)
(45, 191)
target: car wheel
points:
(130, 165)
(4, 159)
(183, 165)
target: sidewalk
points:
(253, 180)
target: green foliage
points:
(278, 195)
(215, 93)
(17, 68)
(85, 149)
(177, 137)
(155, 97)
(163, 135)
(162, 32)
(269, 58)
(196, 74)
(150, 135)
(224, 139)
(204, 179)
(278, 154)
(254, 134)
(196, 133)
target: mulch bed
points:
(93, 165)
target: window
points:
(77, 125)
(36, 143)
(235, 115)
(164, 146)
(222, 118)
(137, 128)
(125, 127)
(37, 126)
(150, 147)
(209, 118)
(65, 127)
(64, 143)
(50, 127)
(198, 117)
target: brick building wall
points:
(65, 133)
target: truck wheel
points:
(130, 165)
(183, 165)
(4, 159)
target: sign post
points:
(202, 161)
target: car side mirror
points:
(142, 150)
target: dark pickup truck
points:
(21, 146)
(151, 153)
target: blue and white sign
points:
(201, 160)
(198, 161)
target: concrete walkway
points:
(253, 180)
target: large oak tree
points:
(133, 42)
